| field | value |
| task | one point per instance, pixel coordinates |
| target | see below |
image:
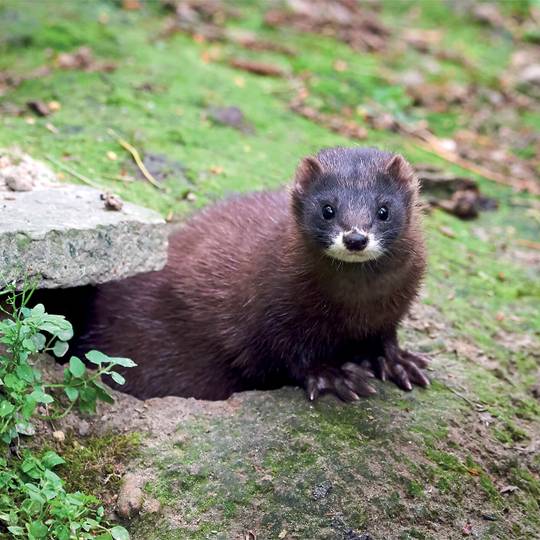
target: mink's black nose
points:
(355, 241)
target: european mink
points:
(303, 286)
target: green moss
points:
(22, 241)
(414, 489)
(95, 465)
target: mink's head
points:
(354, 203)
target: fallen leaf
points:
(54, 106)
(351, 22)
(508, 489)
(258, 68)
(39, 107)
(447, 231)
(253, 43)
(131, 5)
(83, 59)
(112, 155)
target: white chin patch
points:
(339, 251)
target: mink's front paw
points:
(403, 368)
(348, 382)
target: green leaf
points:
(14, 382)
(28, 407)
(31, 467)
(117, 378)
(60, 348)
(87, 402)
(6, 408)
(125, 362)
(76, 367)
(38, 309)
(29, 345)
(119, 533)
(40, 396)
(97, 357)
(51, 459)
(39, 341)
(71, 393)
(16, 531)
(25, 372)
(102, 393)
(62, 532)
(38, 529)
(57, 326)
(25, 428)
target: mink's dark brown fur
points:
(249, 299)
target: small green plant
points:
(35, 505)
(33, 501)
(24, 334)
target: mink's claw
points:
(403, 368)
(418, 360)
(348, 383)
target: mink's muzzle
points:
(355, 241)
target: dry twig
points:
(137, 158)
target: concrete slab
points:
(60, 235)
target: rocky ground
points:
(221, 97)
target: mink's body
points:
(249, 298)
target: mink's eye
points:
(382, 213)
(328, 212)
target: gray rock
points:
(63, 236)
(322, 490)
(130, 498)
(530, 75)
(16, 183)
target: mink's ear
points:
(400, 169)
(308, 170)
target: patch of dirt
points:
(232, 117)
(160, 167)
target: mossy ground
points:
(420, 465)
(96, 464)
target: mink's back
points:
(183, 324)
